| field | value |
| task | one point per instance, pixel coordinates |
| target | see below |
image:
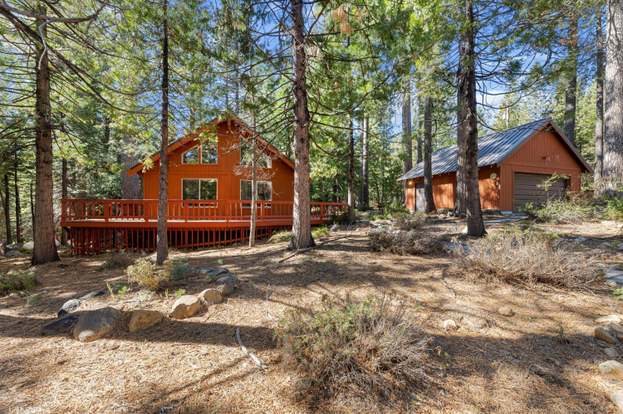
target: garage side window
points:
(195, 189)
(191, 156)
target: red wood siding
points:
(227, 171)
(544, 153)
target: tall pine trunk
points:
(253, 224)
(416, 126)
(599, 100)
(407, 132)
(612, 175)
(7, 210)
(365, 181)
(162, 251)
(301, 211)
(64, 195)
(44, 250)
(18, 208)
(571, 79)
(351, 171)
(468, 124)
(429, 201)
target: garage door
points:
(530, 188)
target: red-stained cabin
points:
(209, 192)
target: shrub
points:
(177, 269)
(18, 280)
(525, 257)
(318, 232)
(368, 348)
(146, 275)
(406, 242)
(614, 208)
(406, 221)
(280, 237)
(116, 261)
(561, 211)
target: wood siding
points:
(227, 171)
(544, 153)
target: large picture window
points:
(264, 190)
(196, 189)
(205, 153)
(246, 154)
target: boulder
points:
(185, 307)
(28, 246)
(211, 296)
(97, 323)
(227, 284)
(603, 334)
(93, 294)
(62, 326)
(506, 311)
(611, 369)
(212, 272)
(475, 323)
(70, 306)
(614, 276)
(611, 352)
(143, 318)
(609, 319)
(450, 325)
(616, 396)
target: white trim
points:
(198, 179)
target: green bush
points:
(18, 280)
(525, 257)
(321, 231)
(369, 349)
(614, 208)
(280, 237)
(405, 242)
(407, 221)
(177, 269)
(146, 275)
(562, 211)
(116, 261)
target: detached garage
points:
(530, 163)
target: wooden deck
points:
(96, 225)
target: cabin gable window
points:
(264, 190)
(199, 189)
(246, 155)
(204, 153)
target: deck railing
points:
(74, 210)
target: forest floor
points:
(541, 360)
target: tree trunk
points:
(468, 124)
(162, 251)
(599, 100)
(429, 201)
(407, 132)
(301, 214)
(612, 175)
(417, 127)
(18, 208)
(63, 195)
(365, 182)
(44, 250)
(571, 79)
(7, 210)
(351, 171)
(32, 209)
(253, 224)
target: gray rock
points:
(614, 318)
(620, 247)
(70, 306)
(213, 272)
(603, 334)
(334, 228)
(611, 352)
(62, 326)
(449, 325)
(143, 318)
(92, 294)
(28, 246)
(614, 276)
(211, 296)
(616, 396)
(97, 323)
(185, 307)
(475, 323)
(611, 369)
(227, 284)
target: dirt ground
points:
(541, 360)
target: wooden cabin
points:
(209, 191)
(515, 168)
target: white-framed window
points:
(246, 155)
(204, 153)
(199, 188)
(264, 190)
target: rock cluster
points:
(610, 331)
(190, 305)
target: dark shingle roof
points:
(492, 149)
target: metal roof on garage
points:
(492, 149)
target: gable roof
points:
(138, 168)
(493, 149)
